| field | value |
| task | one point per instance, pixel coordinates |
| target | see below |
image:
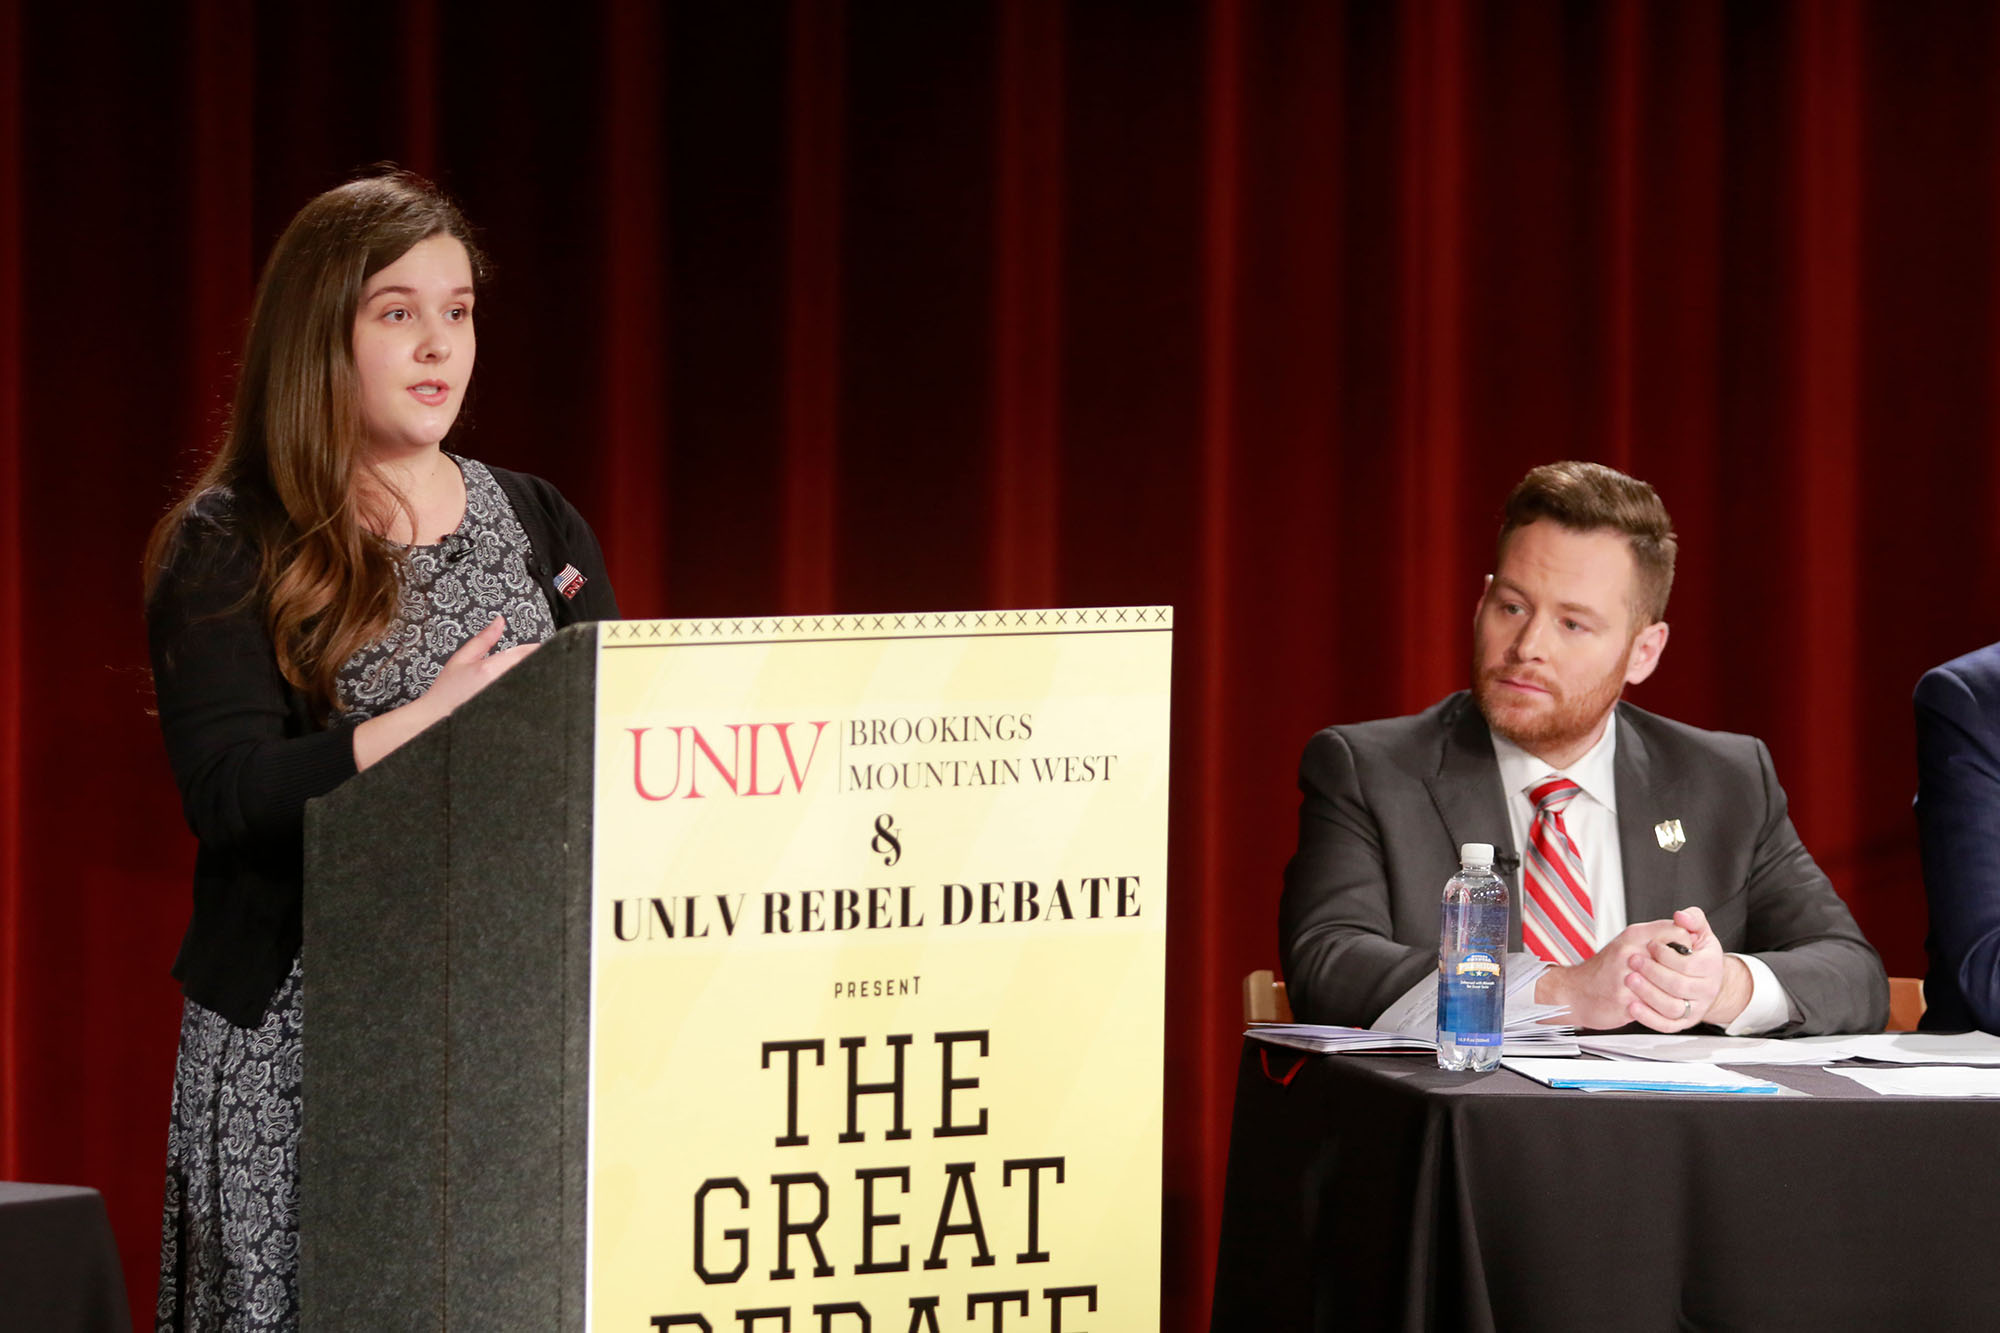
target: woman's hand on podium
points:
(465, 673)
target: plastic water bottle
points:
(1472, 963)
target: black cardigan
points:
(246, 752)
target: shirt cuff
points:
(1770, 1003)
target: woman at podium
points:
(331, 584)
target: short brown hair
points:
(1586, 497)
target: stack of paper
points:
(1628, 1076)
(1713, 1050)
(1410, 1024)
(1528, 1023)
(1902, 1048)
(1327, 1040)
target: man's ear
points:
(1644, 654)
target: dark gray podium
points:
(447, 982)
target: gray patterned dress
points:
(229, 1259)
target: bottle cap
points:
(1476, 854)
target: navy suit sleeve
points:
(1958, 820)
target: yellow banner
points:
(878, 973)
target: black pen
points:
(1679, 948)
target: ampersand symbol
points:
(885, 840)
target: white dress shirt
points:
(1592, 820)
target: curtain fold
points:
(1253, 308)
(12, 889)
(812, 399)
(1025, 448)
(633, 441)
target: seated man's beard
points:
(1538, 725)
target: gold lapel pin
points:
(1668, 831)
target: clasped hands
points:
(1640, 977)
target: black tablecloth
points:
(59, 1268)
(1381, 1192)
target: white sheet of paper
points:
(1932, 1081)
(1634, 1076)
(1713, 1050)
(1936, 1048)
(1902, 1048)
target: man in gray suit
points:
(1652, 862)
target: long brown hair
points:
(291, 455)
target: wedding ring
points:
(1687, 1007)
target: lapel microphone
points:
(456, 546)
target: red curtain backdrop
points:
(1257, 309)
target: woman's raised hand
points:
(465, 673)
(473, 667)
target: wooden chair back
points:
(1906, 1003)
(1264, 999)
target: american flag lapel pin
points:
(570, 582)
(1668, 831)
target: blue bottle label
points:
(1470, 1006)
(1478, 969)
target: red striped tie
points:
(1555, 917)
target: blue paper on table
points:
(1625, 1076)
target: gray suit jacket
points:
(1387, 804)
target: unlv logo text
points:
(754, 761)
